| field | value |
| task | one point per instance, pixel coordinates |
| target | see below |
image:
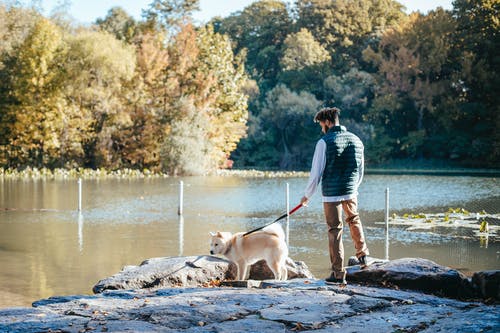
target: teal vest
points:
(344, 155)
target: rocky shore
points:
(197, 294)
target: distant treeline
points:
(166, 94)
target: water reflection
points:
(181, 235)
(483, 241)
(80, 231)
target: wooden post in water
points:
(79, 194)
(387, 223)
(287, 232)
(181, 197)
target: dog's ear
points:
(212, 234)
(219, 234)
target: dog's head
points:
(219, 242)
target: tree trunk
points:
(287, 155)
(420, 119)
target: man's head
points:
(327, 117)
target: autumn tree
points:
(204, 81)
(141, 139)
(411, 62)
(163, 94)
(97, 68)
(33, 111)
(228, 112)
(15, 24)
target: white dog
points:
(268, 244)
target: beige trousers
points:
(333, 215)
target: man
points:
(338, 163)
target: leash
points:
(279, 218)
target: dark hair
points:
(331, 114)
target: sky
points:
(87, 11)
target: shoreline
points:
(64, 174)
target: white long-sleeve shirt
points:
(317, 168)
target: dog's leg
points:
(284, 272)
(282, 269)
(276, 269)
(247, 272)
(238, 272)
(242, 270)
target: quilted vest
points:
(344, 154)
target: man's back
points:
(344, 156)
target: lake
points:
(47, 248)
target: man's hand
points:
(304, 201)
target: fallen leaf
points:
(298, 327)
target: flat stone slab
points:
(306, 305)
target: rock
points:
(191, 271)
(487, 284)
(286, 306)
(260, 306)
(158, 273)
(296, 270)
(414, 274)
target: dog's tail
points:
(275, 229)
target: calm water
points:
(47, 248)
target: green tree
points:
(346, 27)
(258, 32)
(302, 50)
(476, 79)
(290, 114)
(186, 148)
(352, 92)
(118, 23)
